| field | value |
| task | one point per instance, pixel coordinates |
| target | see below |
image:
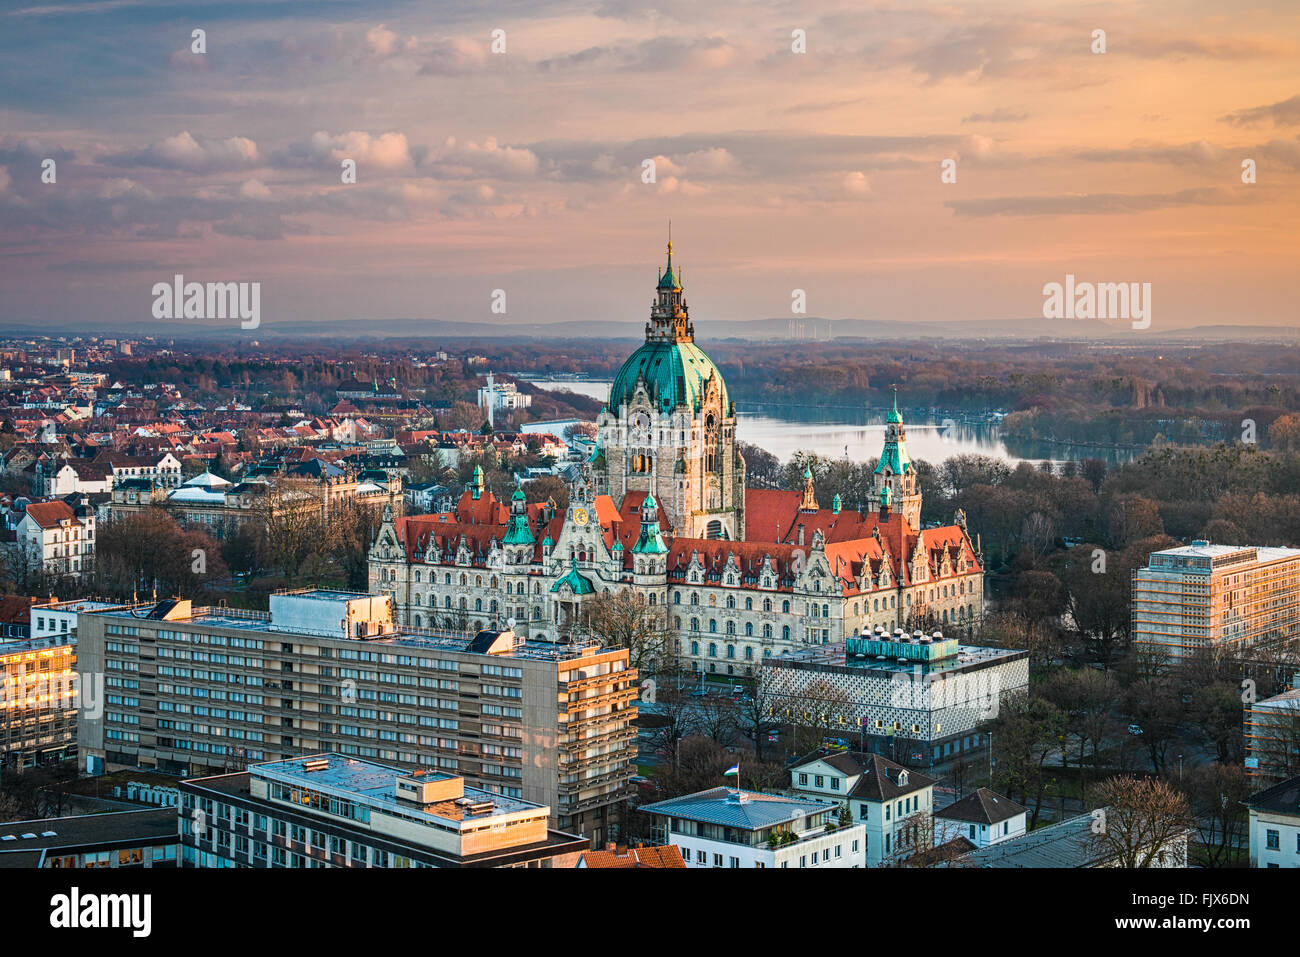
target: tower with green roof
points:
(895, 480)
(669, 426)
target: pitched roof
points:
(880, 777)
(51, 514)
(1281, 798)
(982, 806)
(667, 855)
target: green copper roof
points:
(675, 373)
(519, 533)
(576, 582)
(519, 495)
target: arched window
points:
(448, 578)
(826, 611)
(749, 653)
(695, 624)
(713, 650)
(695, 648)
(713, 626)
(731, 627)
(749, 604)
(749, 629)
(785, 606)
(731, 651)
(731, 601)
(417, 574)
(446, 602)
(767, 631)
(785, 632)
(478, 604)
(654, 599)
(767, 604)
(478, 581)
(677, 598)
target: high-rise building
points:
(327, 810)
(1220, 597)
(199, 690)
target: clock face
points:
(641, 424)
(580, 516)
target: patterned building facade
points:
(661, 507)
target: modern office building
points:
(129, 839)
(327, 810)
(919, 699)
(195, 691)
(1222, 597)
(729, 827)
(38, 702)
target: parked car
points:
(1135, 729)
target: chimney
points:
(800, 533)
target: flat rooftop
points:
(19, 840)
(375, 785)
(835, 655)
(754, 810)
(260, 623)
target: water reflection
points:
(829, 431)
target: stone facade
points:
(662, 508)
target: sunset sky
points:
(522, 171)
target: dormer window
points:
(902, 779)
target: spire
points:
(809, 501)
(669, 317)
(476, 483)
(896, 417)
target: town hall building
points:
(742, 574)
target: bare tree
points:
(913, 842)
(758, 713)
(1215, 792)
(1141, 822)
(817, 710)
(292, 520)
(626, 618)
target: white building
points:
(1275, 825)
(58, 619)
(891, 803)
(983, 817)
(1272, 733)
(57, 539)
(727, 827)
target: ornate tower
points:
(669, 428)
(895, 475)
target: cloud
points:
(1210, 47)
(29, 149)
(387, 151)
(200, 154)
(257, 226)
(1282, 113)
(5, 179)
(1096, 203)
(254, 189)
(457, 159)
(1000, 115)
(452, 57)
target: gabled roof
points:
(982, 806)
(669, 855)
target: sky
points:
(523, 169)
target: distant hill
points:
(771, 329)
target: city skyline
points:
(522, 170)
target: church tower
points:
(669, 428)
(896, 484)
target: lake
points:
(933, 436)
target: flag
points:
(734, 769)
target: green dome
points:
(675, 373)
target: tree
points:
(625, 618)
(914, 842)
(817, 710)
(1143, 822)
(1156, 706)
(1215, 793)
(1027, 731)
(757, 712)
(292, 523)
